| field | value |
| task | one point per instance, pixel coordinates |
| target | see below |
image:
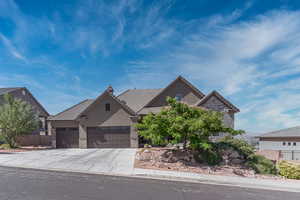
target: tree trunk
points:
(185, 141)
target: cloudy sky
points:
(65, 51)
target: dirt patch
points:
(165, 159)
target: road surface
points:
(29, 184)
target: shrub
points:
(241, 146)
(258, 163)
(261, 164)
(289, 170)
(209, 156)
(5, 146)
(180, 123)
(16, 118)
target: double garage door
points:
(97, 137)
(108, 137)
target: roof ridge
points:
(124, 92)
(70, 107)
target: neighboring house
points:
(108, 121)
(24, 94)
(286, 141)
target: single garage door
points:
(67, 137)
(108, 137)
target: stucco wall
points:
(117, 116)
(188, 95)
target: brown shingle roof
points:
(136, 99)
(72, 112)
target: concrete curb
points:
(221, 180)
(188, 177)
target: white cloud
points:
(11, 48)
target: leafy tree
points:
(16, 118)
(182, 123)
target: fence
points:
(290, 155)
(34, 140)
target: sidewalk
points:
(281, 185)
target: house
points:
(108, 121)
(25, 95)
(285, 141)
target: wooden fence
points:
(34, 140)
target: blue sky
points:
(65, 51)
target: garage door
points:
(67, 137)
(108, 137)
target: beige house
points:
(108, 121)
(25, 95)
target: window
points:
(178, 97)
(289, 143)
(294, 143)
(283, 143)
(107, 107)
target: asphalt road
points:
(28, 184)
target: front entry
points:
(67, 138)
(108, 137)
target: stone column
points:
(134, 139)
(52, 133)
(82, 135)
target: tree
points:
(182, 123)
(16, 118)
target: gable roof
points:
(289, 132)
(179, 78)
(72, 112)
(12, 89)
(124, 106)
(136, 99)
(220, 97)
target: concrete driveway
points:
(117, 161)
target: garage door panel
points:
(108, 137)
(67, 138)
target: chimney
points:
(110, 89)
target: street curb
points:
(168, 178)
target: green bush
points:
(261, 164)
(210, 157)
(5, 146)
(289, 170)
(258, 163)
(241, 146)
